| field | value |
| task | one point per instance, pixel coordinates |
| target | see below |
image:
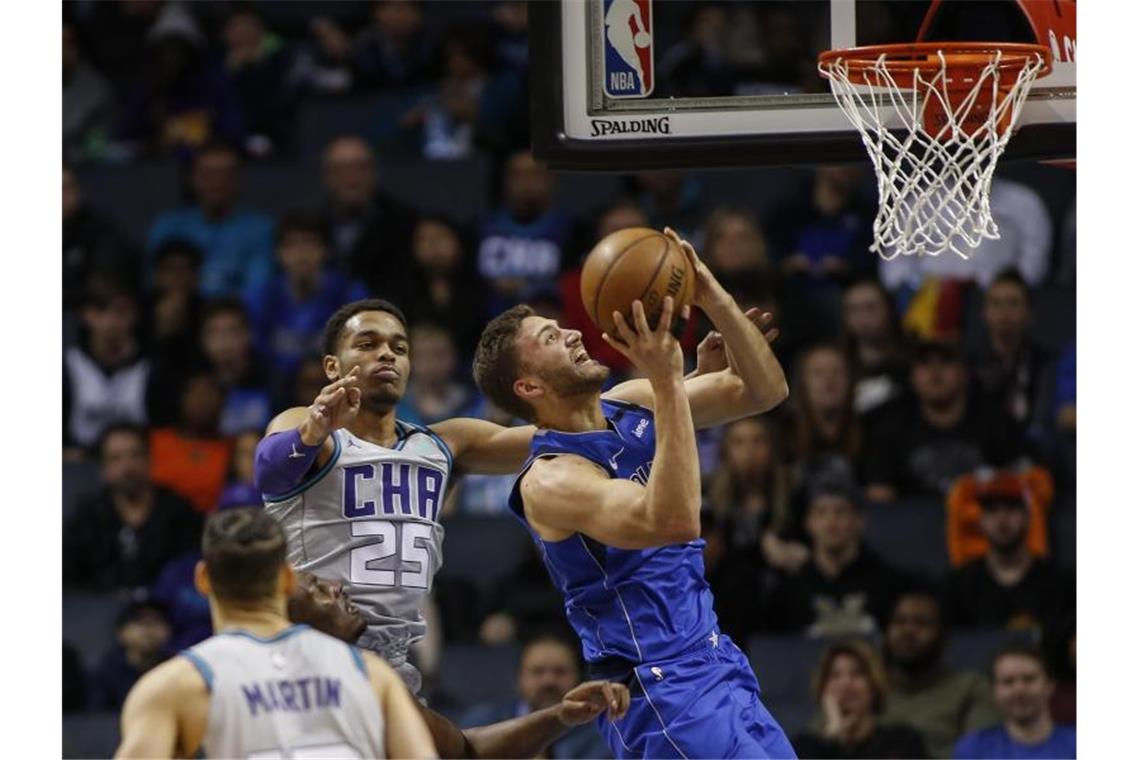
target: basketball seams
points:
(656, 274)
(602, 280)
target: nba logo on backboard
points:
(627, 28)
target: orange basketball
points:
(630, 264)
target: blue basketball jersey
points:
(627, 606)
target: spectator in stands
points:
(290, 311)
(548, 668)
(522, 605)
(523, 245)
(1025, 244)
(734, 246)
(823, 422)
(392, 52)
(850, 688)
(368, 230)
(483, 495)
(918, 446)
(433, 392)
(1022, 687)
(191, 457)
(237, 243)
(263, 71)
(114, 36)
(75, 690)
(699, 65)
(188, 610)
(749, 494)
(175, 308)
(240, 490)
(227, 346)
(941, 703)
(121, 537)
(439, 278)
(845, 588)
(87, 104)
(1009, 587)
(820, 238)
(1060, 649)
(105, 375)
(308, 381)
(671, 199)
(1065, 393)
(181, 99)
(872, 340)
(143, 641)
(1012, 369)
(511, 44)
(92, 243)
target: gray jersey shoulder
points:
(297, 691)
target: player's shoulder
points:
(558, 473)
(170, 681)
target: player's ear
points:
(331, 367)
(201, 578)
(527, 388)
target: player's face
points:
(1004, 525)
(747, 448)
(1007, 310)
(548, 670)
(324, 605)
(833, 523)
(865, 313)
(376, 342)
(1021, 687)
(825, 379)
(849, 686)
(913, 631)
(555, 358)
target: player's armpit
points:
(406, 734)
(483, 447)
(149, 720)
(568, 494)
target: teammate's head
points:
(1021, 681)
(850, 673)
(526, 363)
(371, 334)
(548, 669)
(243, 562)
(914, 632)
(323, 605)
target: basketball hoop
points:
(935, 118)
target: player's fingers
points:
(624, 332)
(771, 335)
(353, 397)
(617, 344)
(611, 698)
(621, 693)
(640, 323)
(686, 312)
(666, 320)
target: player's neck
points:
(263, 621)
(375, 426)
(575, 416)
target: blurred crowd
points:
(913, 380)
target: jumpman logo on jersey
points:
(352, 443)
(296, 454)
(714, 639)
(613, 459)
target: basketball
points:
(634, 263)
(641, 39)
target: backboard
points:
(647, 84)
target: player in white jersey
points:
(260, 687)
(359, 492)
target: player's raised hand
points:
(653, 350)
(712, 353)
(705, 284)
(334, 407)
(588, 700)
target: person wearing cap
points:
(1009, 586)
(845, 588)
(921, 443)
(142, 636)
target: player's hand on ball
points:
(653, 350)
(705, 285)
(334, 407)
(587, 701)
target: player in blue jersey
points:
(611, 495)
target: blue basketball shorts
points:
(702, 704)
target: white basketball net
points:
(934, 189)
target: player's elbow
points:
(776, 395)
(680, 531)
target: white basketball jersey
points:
(298, 694)
(370, 518)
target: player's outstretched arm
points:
(405, 733)
(483, 447)
(149, 721)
